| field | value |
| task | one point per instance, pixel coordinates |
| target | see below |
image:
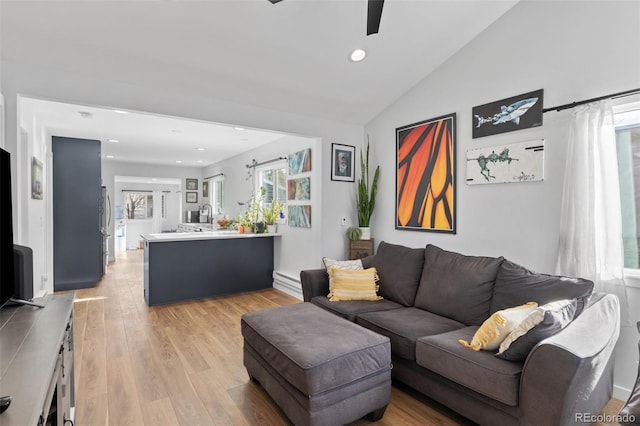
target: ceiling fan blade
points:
(374, 13)
(275, 1)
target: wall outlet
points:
(344, 221)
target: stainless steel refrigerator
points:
(105, 224)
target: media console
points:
(37, 371)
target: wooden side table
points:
(360, 248)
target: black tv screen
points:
(7, 281)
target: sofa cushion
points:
(498, 326)
(404, 326)
(543, 322)
(479, 371)
(457, 286)
(352, 308)
(399, 268)
(516, 285)
(347, 284)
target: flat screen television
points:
(7, 277)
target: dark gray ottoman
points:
(319, 368)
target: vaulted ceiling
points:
(290, 56)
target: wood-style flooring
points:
(181, 364)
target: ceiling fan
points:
(374, 13)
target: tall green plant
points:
(366, 196)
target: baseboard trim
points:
(287, 284)
(621, 393)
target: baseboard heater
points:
(288, 284)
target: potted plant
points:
(271, 214)
(354, 233)
(245, 225)
(366, 195)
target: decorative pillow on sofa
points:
(354, 265)
(399, 268)
(346, 284)
(498, 326)
(457, 286)
(543, 322)
(516, 285)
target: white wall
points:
(34, 144)
(574, 50)
(298, 248)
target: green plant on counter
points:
(244, 219)
(354, 233)
(271, 213)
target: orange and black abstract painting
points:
(426, 175)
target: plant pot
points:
(259, 227)
(248, 230)
(272, 229)
(366, 233)
(240, 229)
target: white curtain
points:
(590, 220)
(156, 222)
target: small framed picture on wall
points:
(205, 189)
(192, 184)
(192, 197)
(342, 162)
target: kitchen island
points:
(184, 266)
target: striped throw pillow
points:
(342, 264)
(345, 284)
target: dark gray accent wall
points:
(77, 261)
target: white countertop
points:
(205, 235)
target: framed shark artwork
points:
(513, 163)
(507, 115)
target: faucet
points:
(202, 210)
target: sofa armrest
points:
(569, 376)
(315, 282)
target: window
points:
(216, 193)
(627, 123)
(273, 179)
(138, 205)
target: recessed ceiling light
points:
(199, 161)
(119, 111)
(109, 156)
(357, 55)
(239, 128)
(199, 149)
(154, 179)
(179, 161)
(113, 140)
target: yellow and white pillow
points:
(498, 326)
(345, 284)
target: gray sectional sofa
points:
(433, 298)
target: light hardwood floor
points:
(181, 364)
